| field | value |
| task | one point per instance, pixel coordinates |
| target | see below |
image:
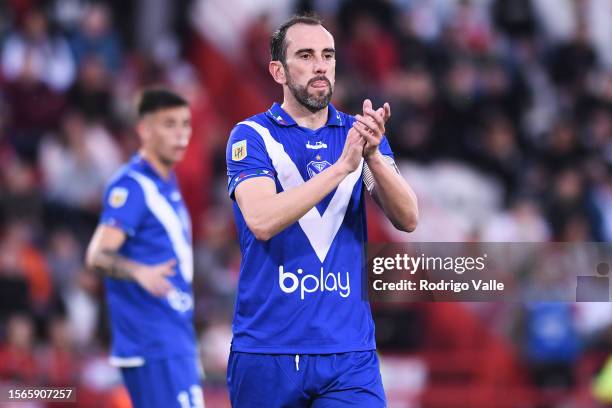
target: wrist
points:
(341, 169)
(135, 273)
(374, 158)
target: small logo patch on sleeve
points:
(117, 197)
(239, 150)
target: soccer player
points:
(143, 247)
(303, 331)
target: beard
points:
(312, 102)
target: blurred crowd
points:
(501, 121)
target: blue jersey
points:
(301, 291)
(150, 210)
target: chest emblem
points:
(315, 167)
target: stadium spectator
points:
(19, 364)
(76, 165)
(96, 38)
(45, 57)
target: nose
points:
(320, 67)
(183, 138)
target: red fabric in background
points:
(194, 172)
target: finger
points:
(156, 290)
(367, 104)
(363, 131)
(352, 137)
(167, 286)
(387, 109)
(170, 263)
(358, 140)
(163, 287)
(167, 268)
(369, 122)
(361, 142)
(372, 132)
(378, 119)
(159, 291)
(168, 272)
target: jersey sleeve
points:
(124, 205)
(385, 147)
(246, 157)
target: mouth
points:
(319, 83)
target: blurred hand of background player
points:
(153, 277)
(352, 151)
(371, 126)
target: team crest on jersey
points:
(239, 150)
(117, 197)
(315, 167)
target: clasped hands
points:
(370, 125)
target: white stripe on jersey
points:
(126, 362)
(320, 230)
(171, 222)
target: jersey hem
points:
(303, 350)
(235, 183)
(114, 222)
(161, 356)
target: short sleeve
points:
(246, 157)
(385, 148)
(124, 205)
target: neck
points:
(159, 166)
(304, 117)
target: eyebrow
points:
(311, 50)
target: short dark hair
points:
(156, 99)
(278, 45)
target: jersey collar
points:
(282, 118)
(146, 167)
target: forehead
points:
(302, 36)
(179, 112)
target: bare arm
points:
(393, 194)
(102, 257)
(391, 191)
(267, 212)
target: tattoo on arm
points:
(392, 163)
(368, 177)
(108, 262)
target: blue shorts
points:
(166, 383)
(308, 380)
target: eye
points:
(329, 56)
(305, 56)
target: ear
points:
(143, 128)
(277, 70)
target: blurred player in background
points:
(303, 330)
(143, 246)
